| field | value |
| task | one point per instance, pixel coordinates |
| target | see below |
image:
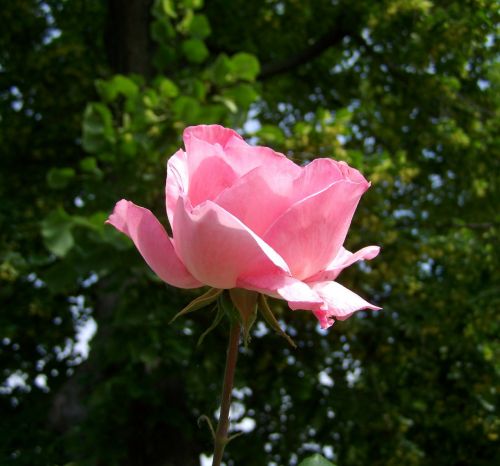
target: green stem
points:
(221, 438)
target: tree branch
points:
(330, 39)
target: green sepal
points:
(248, 326)
(245, 301)
(271, 320)
(224, 302)
(216, 321)
(201, 301)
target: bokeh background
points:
(94, 96)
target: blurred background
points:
(94, 96)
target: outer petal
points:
(153, 243)
(339, 302)
(344, 259)
(310, 233)
(217, 248)
(298, 294)
(177, 181)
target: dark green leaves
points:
(98, 131)
(58, 178)
(195, 50)
(116, 86)
(56, 232)
(245, 66)
(239, 67)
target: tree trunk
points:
(127, 36)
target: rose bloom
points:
(248, 217)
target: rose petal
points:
(153, 243)
(344, 259)
(298, 294)
(211, 177)
(211, 134)
(177, 183)
(339, 302)
(310, 233)
(264, 194)
(217, 248)
(256, 200)
(244, 158)
(230, 146)
(209, 170)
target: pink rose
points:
(248, 217)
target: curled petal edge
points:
(342, 260)
(152, 241)
(328, 301)
(339, 303)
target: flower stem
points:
(221, 438)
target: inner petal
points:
(257, 200)
(212, 176)
(263, 194)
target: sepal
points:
(245, 302)
(224, 302)
(218, 317)
(200, 302)
(269, 317)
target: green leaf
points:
(199, 27)
(128, 145)
(195, 88)
(222, 71)
(167, 88)
(98, 131)
(195, 4)
(228, 102)
(243, 95)
(212, 113)
(316, 460)
(169, 8)
(56, 232)
(246, 66)
(195, 50)
(58, 178)
(118, 85)
(89, 165)
(163, 32)
(271, 134)
(186, 109)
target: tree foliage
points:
(406, 91)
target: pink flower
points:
(248, 217)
